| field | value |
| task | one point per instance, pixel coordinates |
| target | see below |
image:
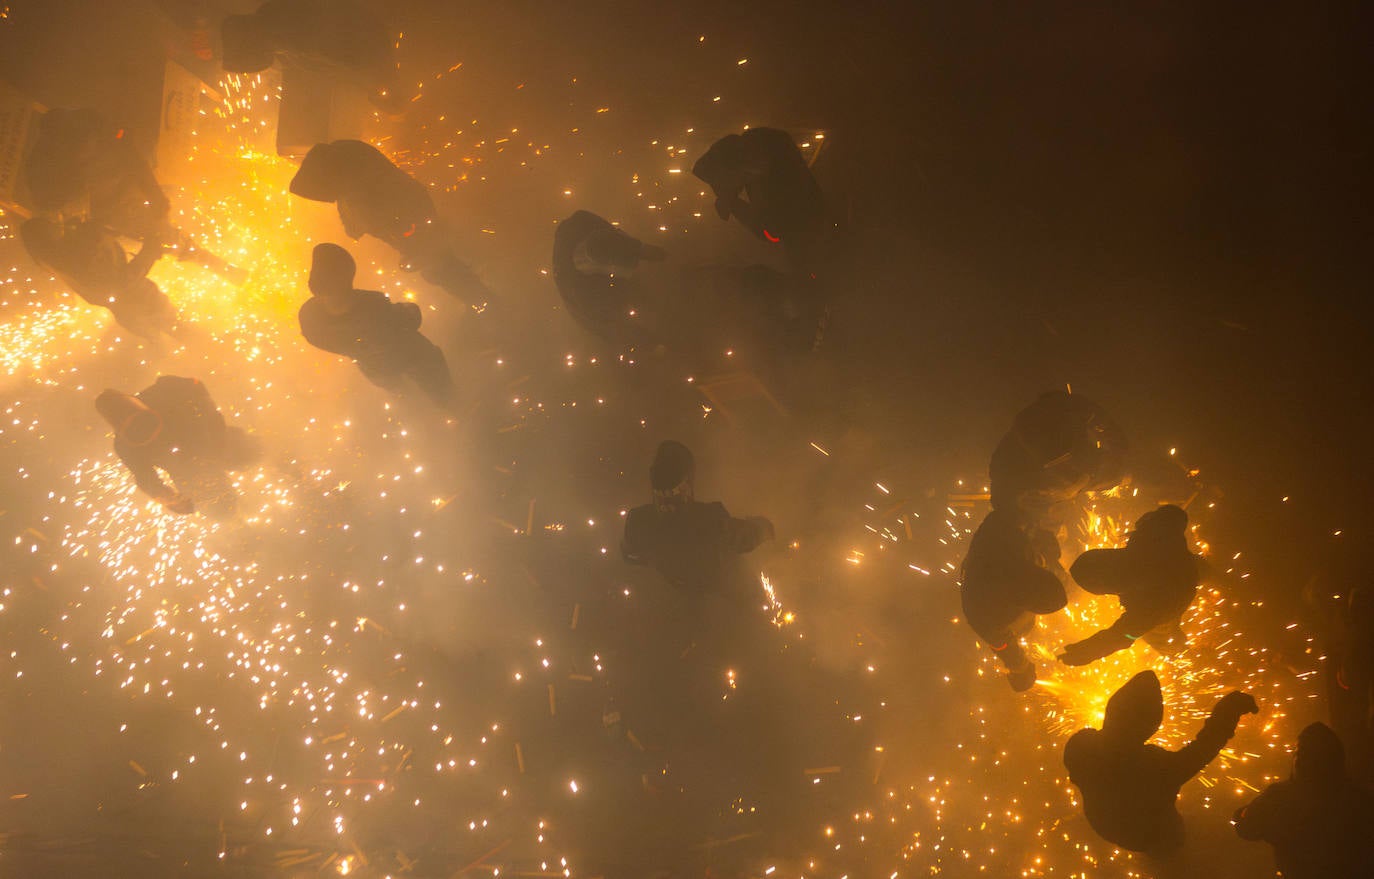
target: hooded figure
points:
(94, 265)
(694, 545)
(381, 336)
(761, 179)
(81, 164)
(1350, 690)
(1129, 788)
(1156, 578)
(1058, 447)
(1318, 821)
(592, 266)
(173, 426)
(376, 198)
(1005, 584)
(333, 35)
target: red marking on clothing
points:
(119, 135)
(409, 232)
(1000, 649)
(1340, 678)
(771, 237)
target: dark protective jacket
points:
(80, 161)
(765, 179)
(1005, 577)
(371, 331)
(1318, 821)
(192, 434)
(344, 33)
(1316, 832)
(695, 546)
(1155, 575)
(1059, 446)
(374, 197)
(585, 246)
(1129, 787)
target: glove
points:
(766, 525)
(1234, 705)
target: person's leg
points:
(1006, 644)
(144, 309)
(429, 369)
(384, 375)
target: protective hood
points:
(132, 421)
(1162, 528)
(318, 177)
(1135, 711)
(1321, 756)
(672, 473)
(332, 270)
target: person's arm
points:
(745, 535)
(143, 261)
(632, 549)
(146, 476)
(1255, 821)
(1219, 728)
(1130, 626)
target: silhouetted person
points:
(1058, 447)
(174, 427)
(593, 264)
(1155, 576)
(696, 546)
(335, 35)
(376, 198)
(381, 336)
(761, 179)
(1318, 821)
(81, 164)
(95, 266)
(1005, 584)
(1129, 788)
(1351, 690)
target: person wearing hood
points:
(1156, 578)
(381, 336)
(1130, 788)
(762, 180)
(593, 265)
(174, 427)
(1005, 585)
(376, 198)
(96, 267)
(1318, 821)
(333, 35)
(1058, 447)
(83, 165)
(695, 545)
(1350, 691)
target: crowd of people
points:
(91, 192)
